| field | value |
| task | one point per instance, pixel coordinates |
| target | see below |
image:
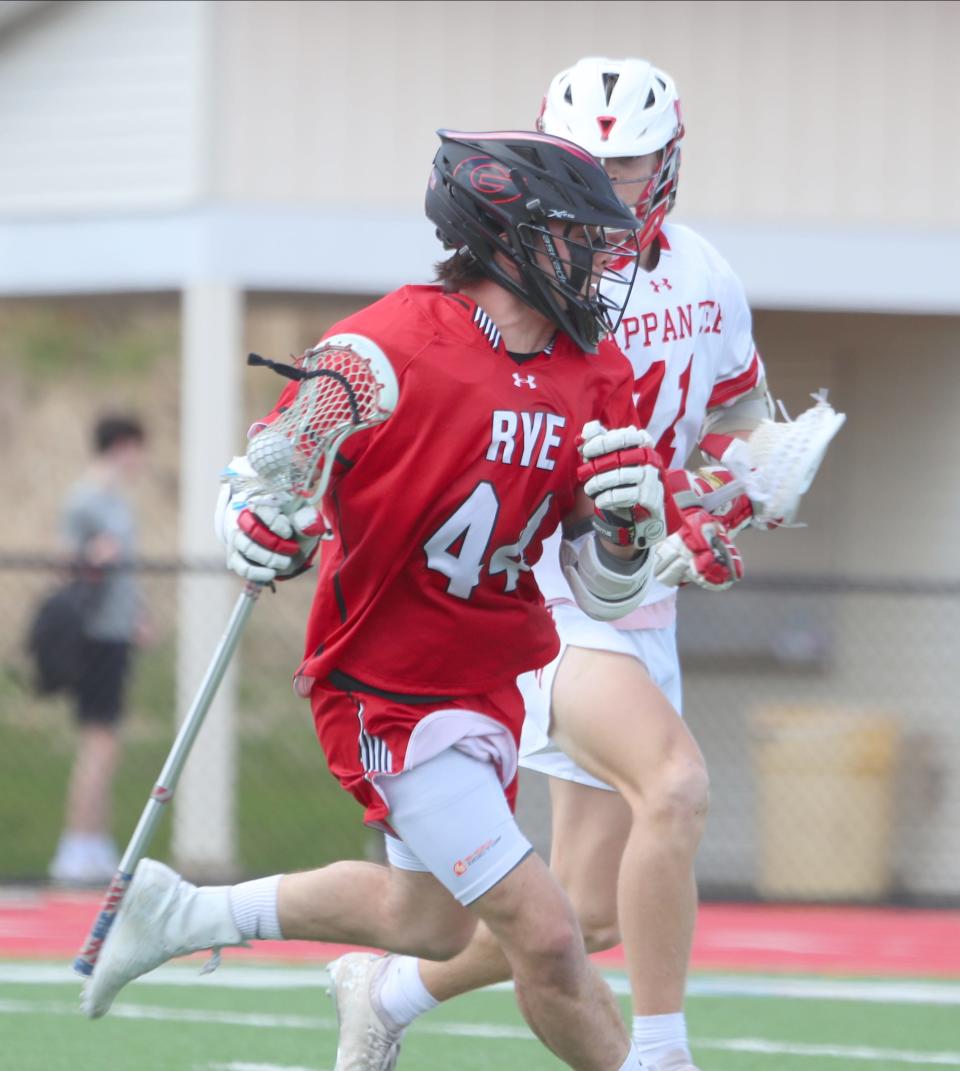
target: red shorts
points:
(368, 735)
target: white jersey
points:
(688, 335)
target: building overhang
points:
(258, 247)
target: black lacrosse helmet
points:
(549, 208)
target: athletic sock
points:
(657, 1035)
(400, 992)
(632, 1062)
(253, 905)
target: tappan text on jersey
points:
(706, 318)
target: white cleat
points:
(366, 1042)
(161, 916)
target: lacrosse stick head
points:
(784, 457)
(346, 384)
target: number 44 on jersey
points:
(458, 549)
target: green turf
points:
(162, 1028)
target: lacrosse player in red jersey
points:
(629, 787)
(426, 608)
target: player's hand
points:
(732, 453)
(700, 553)
(623, 474)
(265, 541)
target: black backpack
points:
(55, 639)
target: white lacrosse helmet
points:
(616, 108)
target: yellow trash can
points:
(824, 801)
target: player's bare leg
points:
(590, 829)
(526, 914)
(86, 852)
(454, 800)
(88, 797)
(378, 906)
(654, 823)
(163, 916)
(405, 902)
(642, 748)
(562, 997)
(480, 964)
(625, 858)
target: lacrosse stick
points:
(346, 384)
(779, 462)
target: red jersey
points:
(440, 512)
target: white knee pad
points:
(454, 822)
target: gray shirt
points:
(91, 510)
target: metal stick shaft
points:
(722, 495)
(166, 783)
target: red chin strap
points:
(651, 228)
(652, 224)
(663, 183)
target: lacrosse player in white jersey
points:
(628, 783)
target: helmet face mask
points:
(585, 272)
(651, 195)
(537, 214)
(616, 109)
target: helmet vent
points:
(568, 95)
(651, 100)
(529, 153)
(610, 80)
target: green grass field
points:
(256, 1018)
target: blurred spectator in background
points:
(100, 532)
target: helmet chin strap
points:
(581, 265)
(580, 262)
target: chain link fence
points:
(826, 711)
(287, 811)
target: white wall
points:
(797, 112)
(101, 107)
(286, 144)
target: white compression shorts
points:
(656, 648)
(454, 822)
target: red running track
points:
(824, 940)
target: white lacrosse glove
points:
(623, 474)
(700, 553)
(266, 536)
(702, 550)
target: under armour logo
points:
(656, 286)
(520, 381)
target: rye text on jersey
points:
(525, 439)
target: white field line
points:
(856, 989)
(236, 976)
(833, 1052)
(470, 1030)
(241, 1066)
(180, 1015)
